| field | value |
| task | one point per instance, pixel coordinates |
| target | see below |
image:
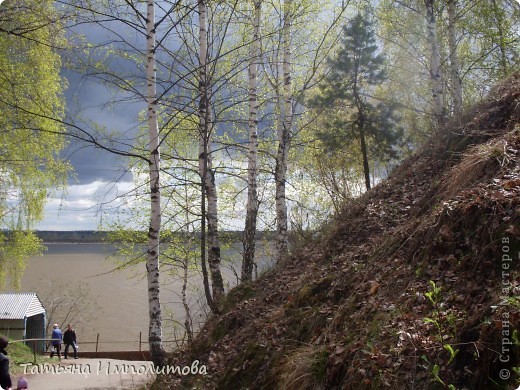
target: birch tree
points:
(206, 50)
(499, 15)
(490, 44)
(284, 134)
(290, 80)
(152, 264)
(208, 186)
(122, 22)
(436, 78)
(468, 38)
(456, 81)
(252, 164)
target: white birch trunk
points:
(501, 36)
(152, 265)
(435, 63)
(213, 237)
(454, 58)
(252, 166)
(207, 177)
(203, 152)
(284, 138)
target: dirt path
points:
(88, 374)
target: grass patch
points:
(19, 353)
(313, 294)
(305, 368)
(248, 368)
(236, 295)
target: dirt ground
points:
(88, 374)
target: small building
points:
(22, 317)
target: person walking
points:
(5, 378)
(56, 340)
(69, 339)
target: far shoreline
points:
(102, 237)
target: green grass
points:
(19, 353)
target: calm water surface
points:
(121, 296)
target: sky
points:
(91, 196)
(98, 176)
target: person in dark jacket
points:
(56, 341)
(5, 378)
(69, 339)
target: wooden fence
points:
(113, 353)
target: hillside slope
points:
(413, 285)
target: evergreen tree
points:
(346, 98)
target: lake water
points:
(121, 296)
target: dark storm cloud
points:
(100, 177)
(92, 164)
(101, 109)
(92, 107)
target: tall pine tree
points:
(345, 97)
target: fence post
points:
(97, 343)
(34, 350)
(140, 343)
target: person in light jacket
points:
(56, 340)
